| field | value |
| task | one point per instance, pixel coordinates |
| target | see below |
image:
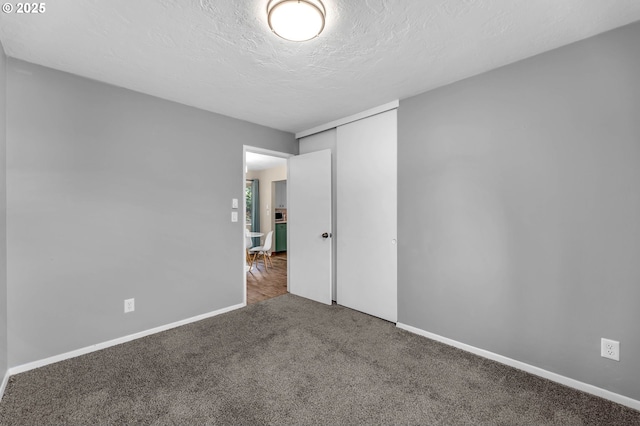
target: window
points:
(248, 198)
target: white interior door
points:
(367, 216)
(308, 218)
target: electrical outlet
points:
(129, 305)
(610, 349)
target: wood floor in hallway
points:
(263, 284)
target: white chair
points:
(248, 243)
(263, 250)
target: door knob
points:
(326, 235)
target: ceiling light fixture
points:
(296, 20)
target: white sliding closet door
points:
(367, 215)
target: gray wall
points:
(113, 194)
(3, 214)
(319, 142)
(519, 210)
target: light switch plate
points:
(234, 203)
(234, 216)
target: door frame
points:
(263, 151)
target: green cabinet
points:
(281, 237)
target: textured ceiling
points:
(219, 55)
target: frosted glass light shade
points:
(296, 20)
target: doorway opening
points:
(265, 224)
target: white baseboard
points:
(3, 386)
(82, 351)
(585, 387)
